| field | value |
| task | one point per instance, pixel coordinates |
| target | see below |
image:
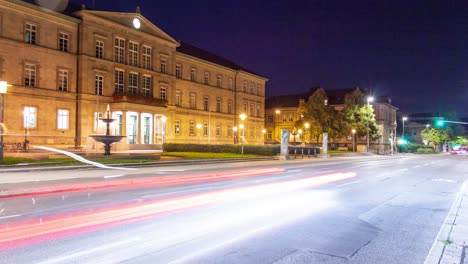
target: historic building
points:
(282, 112)
(69, 69)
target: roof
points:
(193, 51)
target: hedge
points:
(231, 148)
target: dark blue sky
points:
(415, 51)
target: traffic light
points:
(440, 123)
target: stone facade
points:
(66, 70)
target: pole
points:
(367, 135)
(243, 136)
(2, 128)
(403, 134)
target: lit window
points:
(207, 78)
(29, 117)
(245, 86)
(229, 107)
(63, 119)
(229, 131)
(177, 127)
(245, 107)
(192, 128)
(218, 81)
(218, 129)
(205, 129)
(119, 82)
(63, 80)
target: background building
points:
(281, 112)
(68, 68)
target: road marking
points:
(70, 257)
(9, 216)
(426, 164)
(349, 183)
(443, 180)
(415, 167)
(113, 176)
(402, 170)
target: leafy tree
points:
(323, 117)
(435, 136)
(359, 115)
(462, 141)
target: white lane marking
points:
(349, 183)
(113, 176)
(402, 170)
(9, 216)
(443, 180)
(426, 164)
(415, 167)
(73, 256)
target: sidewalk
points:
(451, 245)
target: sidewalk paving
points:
(451, 245)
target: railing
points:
(16, 146)
(304, 152)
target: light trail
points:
(154, 181)
(27, 232)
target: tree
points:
(323, 117)
(359, 115)
(435, 136)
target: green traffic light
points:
(440, 123)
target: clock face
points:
(136, 23)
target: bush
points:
(418, 148)
(248, 149)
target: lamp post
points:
(3, 90)
(163, 119)
(198, 130)
(235, 134)
(26, 124)
(300, 134)
(277, 112)
(369, 100)
(403, 121)
(353, 131)
(307, 125)
(242, 117)
(263, 132)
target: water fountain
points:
(107, 139)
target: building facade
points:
(282, 112)
(68, 71)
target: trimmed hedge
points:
(418, 148)
(231, 148)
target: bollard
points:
(308, 153)
(295, 152)
(302, 153)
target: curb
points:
(451, 244)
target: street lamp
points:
(163, 119)
(403, 121)
(354, 133)
(263, 132)
(198, 129)
(369, 100)
(242, 117)
(3, 91)
(235, 134)
(277, 112)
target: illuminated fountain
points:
(107, 139)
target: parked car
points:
(460, 151)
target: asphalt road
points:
(386, 210)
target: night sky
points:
(415, 51)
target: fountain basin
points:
(107, 140)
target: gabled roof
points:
(126, 19)
(335, 97)
(196, 52)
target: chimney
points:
(138, 10)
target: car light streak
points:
(139, 182)
(32, 231)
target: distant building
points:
(283, 111)
(66, 68)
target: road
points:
(368, 210)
